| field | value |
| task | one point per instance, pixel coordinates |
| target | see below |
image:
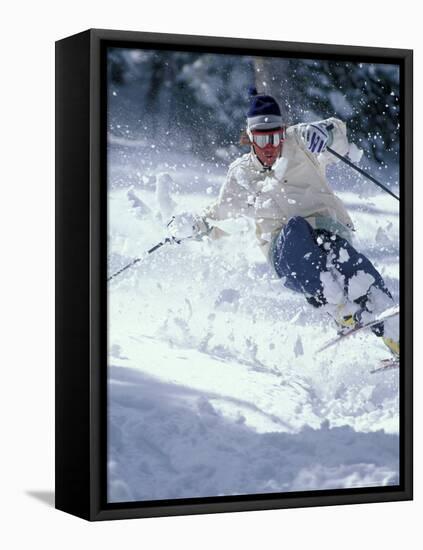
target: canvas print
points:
(253, 274)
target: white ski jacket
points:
(295, 186)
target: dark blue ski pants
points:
(300, 254)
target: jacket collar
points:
(257, 165)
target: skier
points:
(303, 229)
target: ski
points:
(388, 314)
(386, 364)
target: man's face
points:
(267, 145)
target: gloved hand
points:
(185, 225)
(317, 137)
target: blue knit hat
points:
(264, 112)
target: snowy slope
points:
(215, 386)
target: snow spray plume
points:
(359, 170)
(136, 260)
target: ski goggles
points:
(263, 138)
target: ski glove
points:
(317, 137)
(186, 226)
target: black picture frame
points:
(81, 285)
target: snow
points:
(298, 348)
(136, 204)
(215, 387)
(343, 255)
(354, 153)
(332, 289)
(359, 284)
(179, 442)
(165, 203)
(382, 237)
(340, 104)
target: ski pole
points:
(362, 172)
(359, 170)
(136, 260)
